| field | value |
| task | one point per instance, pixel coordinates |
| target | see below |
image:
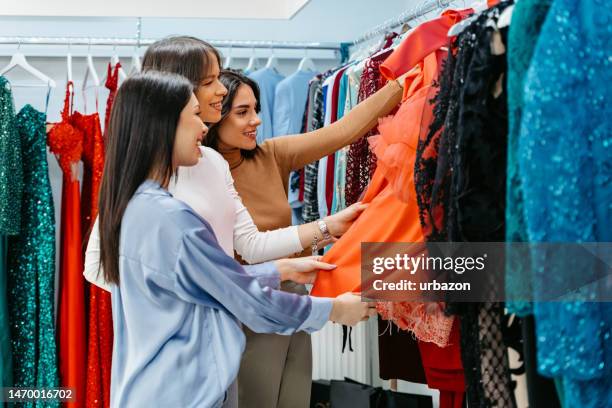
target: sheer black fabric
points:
(460, 178)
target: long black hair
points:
(140, 142)
(232, 81)
(184, 55)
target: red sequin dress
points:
(100, 340)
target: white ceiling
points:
(235, 9)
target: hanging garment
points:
(392, 215)
(112, 84)
(388, 218)
(461, 188)
(267, 79)
(393, 364)
(360, 163)
(527, 19)
(310, 210)
(31, 256)
(564, 168)
(66, 142)
(11, 189)
(100, 323)
(444, 371)
(291, 95)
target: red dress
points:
(100, 340)
(66, 142)
(112, 83)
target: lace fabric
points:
(460, 184)
(360, 162)
(426, 321)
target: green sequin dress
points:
(31, 260)
(11, 185)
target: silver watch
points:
(324, 231)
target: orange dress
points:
(393, 214)
(66, 142)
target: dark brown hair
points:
(232, 81)
(183, 55)
(140, 142)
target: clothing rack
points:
(420, 10)
(82, 46)
(135, 42)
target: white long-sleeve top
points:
(208, 188)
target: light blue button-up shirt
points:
(267, 79)
(177, 308)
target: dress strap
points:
(47, 99)
(68, 101)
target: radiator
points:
(328, 361)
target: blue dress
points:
(564, 156)
(176, 311)
(527, 19)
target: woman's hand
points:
(348, 309)
(340, 222)
(301, 270)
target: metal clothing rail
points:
(405, 17)
(135, 42)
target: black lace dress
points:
(460, 178)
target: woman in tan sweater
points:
(261, 174)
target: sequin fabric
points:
(112, 84)
(11, 176)
(527, 19)
(564, 151)
(31, 256)
(100, 338)
(11, 185)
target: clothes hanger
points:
(228, 61)
(19, 60)
(136, 64)
(114, 60)
(90, 71)
(272, 61)
(479, 6)
(306, 64)
(252, 62)
(69, 64)
(505, 17)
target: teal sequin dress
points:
(31, 256)
(527, 19)
(11, 185)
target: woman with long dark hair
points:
(177, 297)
